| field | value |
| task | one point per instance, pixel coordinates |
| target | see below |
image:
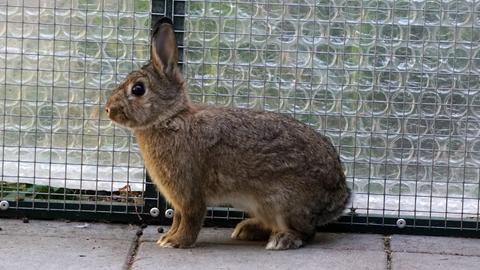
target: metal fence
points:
(394, 84)
(59, 61)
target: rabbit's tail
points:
(335, 210)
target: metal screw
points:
(401, 223)
(169, 213)
(154, 212)
(4, 205)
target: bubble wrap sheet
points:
(394, 84)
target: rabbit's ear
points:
(164, 54)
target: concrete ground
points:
(62, 245)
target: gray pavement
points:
(62, 245)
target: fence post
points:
(174, 10)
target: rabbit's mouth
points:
(121, 119)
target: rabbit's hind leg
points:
(251, 229)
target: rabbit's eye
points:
(138, 89)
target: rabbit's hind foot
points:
(252, 230)
(284, 240)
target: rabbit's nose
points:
(107, 110)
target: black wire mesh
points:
(393, 83)
(58, 62)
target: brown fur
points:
(283, 173)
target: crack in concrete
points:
(388, 250)
(438, 253)
(133, 250)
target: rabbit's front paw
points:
(170, 232)
(284, 240)
(250, 229)
(163, 237)
(175, 242)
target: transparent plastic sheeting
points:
(59, 60)
(394, 84)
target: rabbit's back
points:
(263, 143)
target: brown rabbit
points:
(285, 175)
